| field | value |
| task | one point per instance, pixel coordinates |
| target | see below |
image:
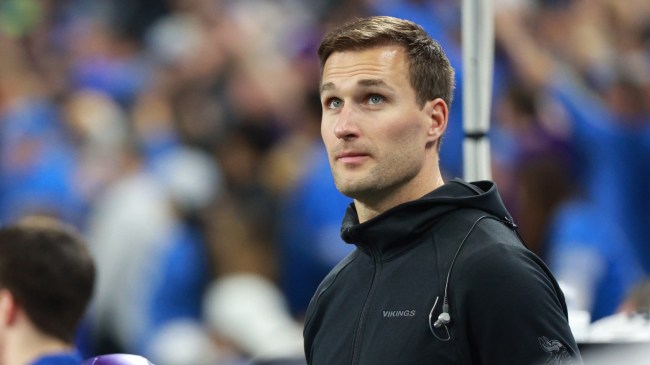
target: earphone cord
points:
(445, 302)
(453, 260)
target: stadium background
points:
(182, 138)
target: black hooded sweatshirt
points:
(378, 306)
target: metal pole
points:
(478, 61)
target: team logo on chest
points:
(398, 313)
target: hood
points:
(406, 222)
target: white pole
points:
(478, 60)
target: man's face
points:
(374, 131)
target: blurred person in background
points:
(263, 153)
(309, 241)
(97, 127)
(530, 163)
(37, 157)
(46, 281)
(153, 267)
(595, 240)
(630, 323)
(243, 303)
(623, 337)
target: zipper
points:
(364, 309)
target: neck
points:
(370, 208)
(25, 347)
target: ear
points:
(438, 114)
(8, 308)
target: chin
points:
(355, 191)
(348, 190)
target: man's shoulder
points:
(484, 243)
(475, 225)
(327, 283)
(331, 277)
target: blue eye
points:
(375, 99)
(334, 103)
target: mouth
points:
(351, 157)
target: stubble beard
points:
(380, 182)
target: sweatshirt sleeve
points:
(514, 310)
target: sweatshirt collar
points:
(407, 222)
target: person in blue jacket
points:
(46, 280)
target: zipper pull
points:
(510, 223)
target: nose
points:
(346, 127)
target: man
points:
(439, 275)
(46, 280)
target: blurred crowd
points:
(182, 137)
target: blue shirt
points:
(61, 358)
(613, 267)
(613, 162)
(309, 234)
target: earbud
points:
(444, 317)
(443, 320)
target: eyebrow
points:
(327, 86)
(364, 82)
